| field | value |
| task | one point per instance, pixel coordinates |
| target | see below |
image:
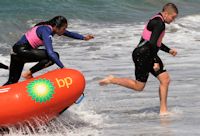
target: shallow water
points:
(114, 110)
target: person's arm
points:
(164, 48)
(46, 36)
(73, 35)
(156, 25)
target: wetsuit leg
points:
(30, 54)
(16, 66)
(34, 55)
(161, 70)
(23, 54)
(42, 64)
(143, 63)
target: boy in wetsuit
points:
(146, 59)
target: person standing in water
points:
(26, 49)
(146, 58)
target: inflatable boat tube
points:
(43, 96)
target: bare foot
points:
(165, 113)
(106, 80)
(27, 75)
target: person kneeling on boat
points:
(26, 49)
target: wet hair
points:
(57, 21)
(170, 7)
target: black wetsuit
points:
(3, 66)
(23, 54)
(145, 54)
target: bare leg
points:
(126, 82)
(163, 92)
(27, 74)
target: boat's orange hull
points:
(46, 95)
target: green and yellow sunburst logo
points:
(41, 90)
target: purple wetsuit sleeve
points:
(46, 36)
(73, 35)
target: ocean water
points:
(116, 25)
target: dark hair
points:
(170, 6)
(57, 21)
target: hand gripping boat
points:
(43, 96)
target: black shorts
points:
(144, 63)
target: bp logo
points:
(41, 90)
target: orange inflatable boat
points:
(43, 96)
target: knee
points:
(48, 63)
(139, 89)
(139, 86)
(166, 81)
